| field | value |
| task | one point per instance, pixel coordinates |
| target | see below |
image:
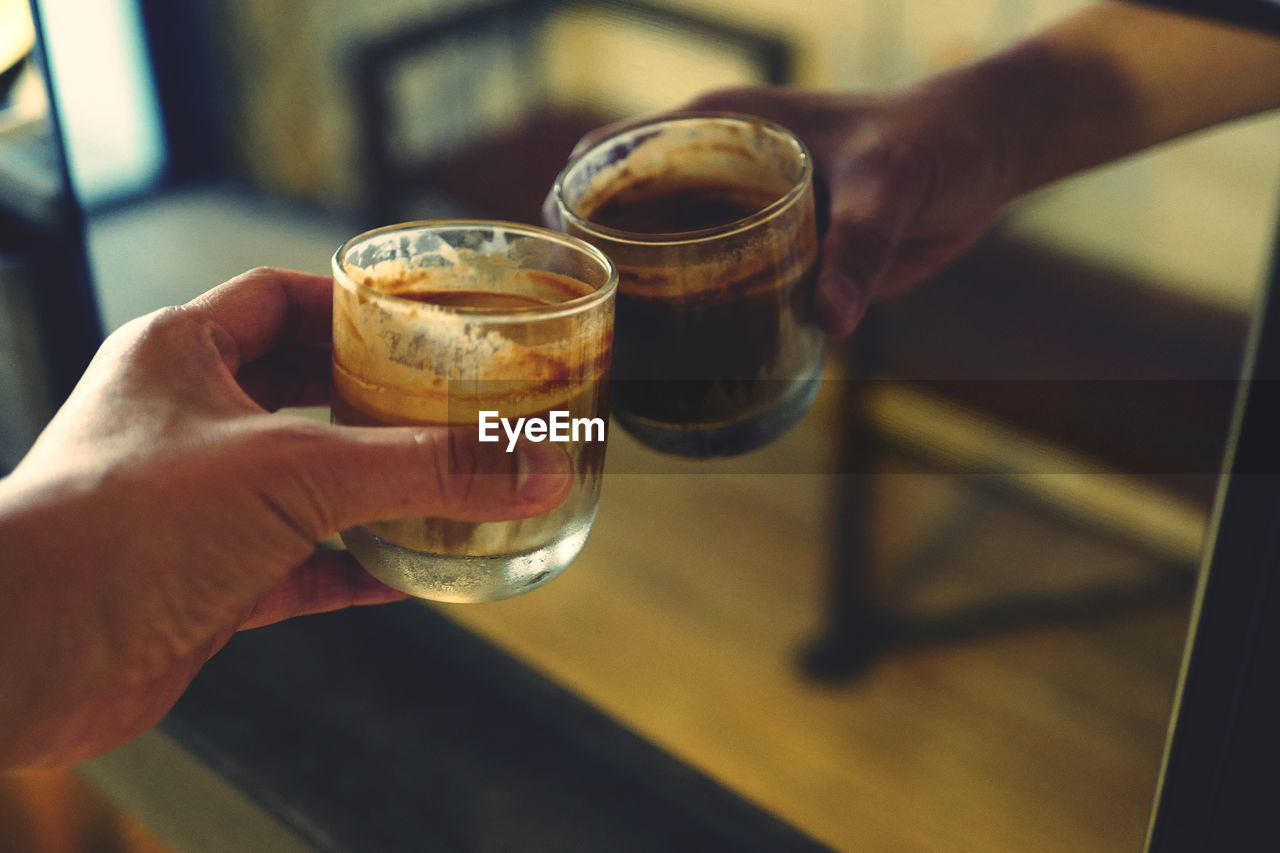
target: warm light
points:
(101, 77)
(16, 32)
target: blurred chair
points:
(459, 115)
(1097, 399)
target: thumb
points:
(870, 208)
(334, 477)
(855, 253)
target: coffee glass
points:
(448, 322)
(710, 220)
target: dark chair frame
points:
(552, 135)
(1061, 318)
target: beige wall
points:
(1195, 215)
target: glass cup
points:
(451, 322)
(710, 221)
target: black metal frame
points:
(1255, 14)
(192, 101)
(70, 329)
(1218, 787)
(395, 729)
(373, 63)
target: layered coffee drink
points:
(476, 330)
(711, 223)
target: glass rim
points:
(552, 310)
(799, 186)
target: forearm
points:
(1110, 81)
(30, 656)
(56, 653)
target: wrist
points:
(1043, 113)
(48, 648)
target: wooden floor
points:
(55, 811)
(697, 590)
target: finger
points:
(822, 120)
(844, 280)
(874, 193)
(260, 308)
(551, 216)
(329, 580)
(747, 100)
(551, 211)
(769, 102)
(919, 259)
(859, 245)
(322, 478)
(734, 100)
(294, 376)
(594, 137)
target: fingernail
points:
(840, 304)
(541, 472)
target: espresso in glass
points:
(710, 221)
(436, 323)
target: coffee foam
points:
(729, 152)
(729, 265)
(755, 267)
(414, 362)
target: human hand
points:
(163, 509)
(911, 178)
(904, 182)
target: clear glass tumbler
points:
(440, 322)
(710, 221)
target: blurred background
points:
(945, 612)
